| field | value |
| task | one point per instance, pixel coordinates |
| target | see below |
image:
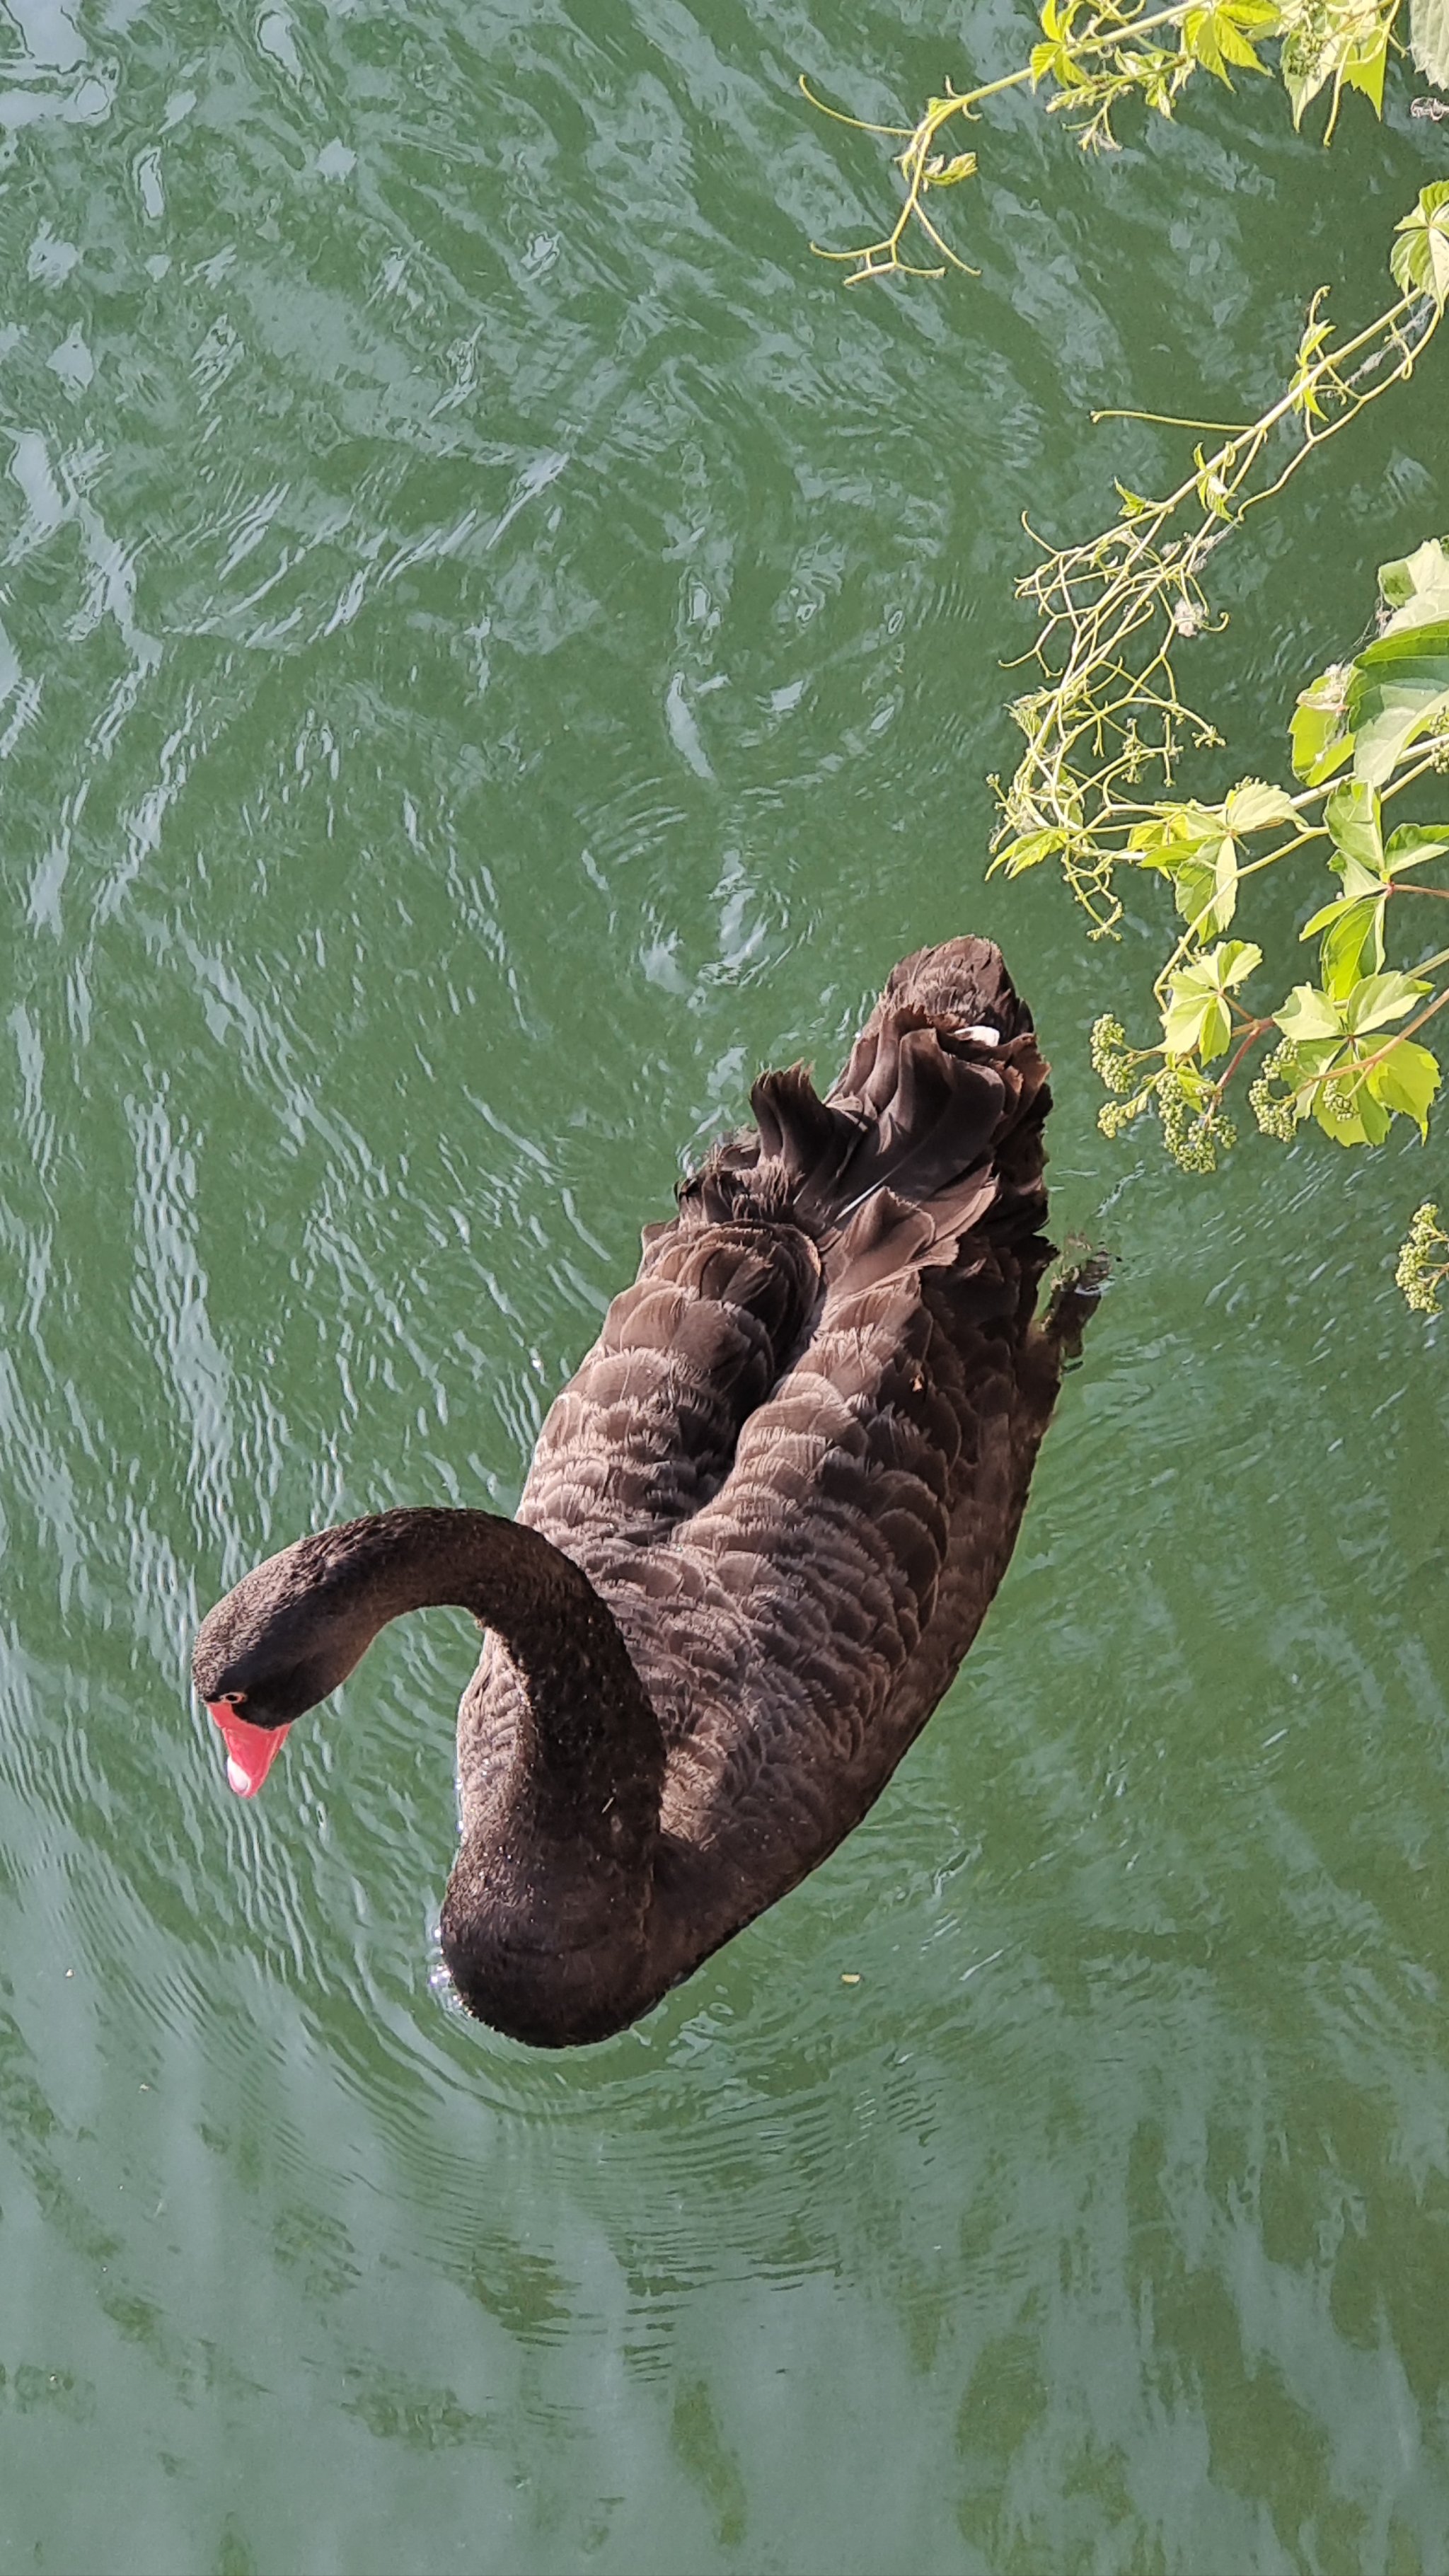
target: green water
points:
(497, 644)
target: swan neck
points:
(588, 1711)
(507, 1576)
(544, 1925)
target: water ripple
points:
(495, 644)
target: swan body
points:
(760, 1529)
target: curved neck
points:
(546, 1922)
(589, 1718)
(511, 1578)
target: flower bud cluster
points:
(1116, 1115)
(1274, 1110)
(1423, 1261)
(1112, 1061)
(1194, 1130)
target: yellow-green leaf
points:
(1307, 1013)
(1398, 688)
(1407, 1080)
(1352, 815)
(1420, 256)
(1416, 588)
(1413, 844)
(1429, 39)
(1027, 851)
(1319, 735)
(1216, 36)
(1225, 881)
(1253, 806)
(1349, 930)
(1234, 962)
(1378, 999)
(1365, 67)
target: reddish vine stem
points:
(1254, 1030)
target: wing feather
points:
(796, 1459)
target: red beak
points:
(250, 1750)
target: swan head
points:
(280, 1642)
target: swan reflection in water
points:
(761, 1526)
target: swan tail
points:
(931, 1138)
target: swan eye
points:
(233, 1699)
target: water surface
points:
(495, 644)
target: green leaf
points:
(1253, 806)
(1225, 881)
(1197, 1019)
(1309, 58)
(1429, 39)
(1344, 42)
(1307, 1013)
(1303, 87)
(1351, 813)
(1194, 891)
(1374, 1118)
(1321, 742)
(1346, 1109)
(1392, 714)
(1217, 36)
(1416, 587)
(1056, 62)
(1364, 69)
(1357, 880)
(1357, 883)
(1182, 1024)
(1377, 1000)
(1352, 1129)
(1186, 842)
(1304, 388)
(1212, 491)
(1173, 833)
(1402, 647)
(1027, 851)
(1412, 844)
(1397, 688)
(1217, 1030)
(1420, 256)
(1198, 1023)
(1406, 1080)
(1233, 963)
(1349, 929)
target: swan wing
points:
(826, 1597)
(796, 1628)
(646, 1430)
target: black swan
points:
(761, 1527)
